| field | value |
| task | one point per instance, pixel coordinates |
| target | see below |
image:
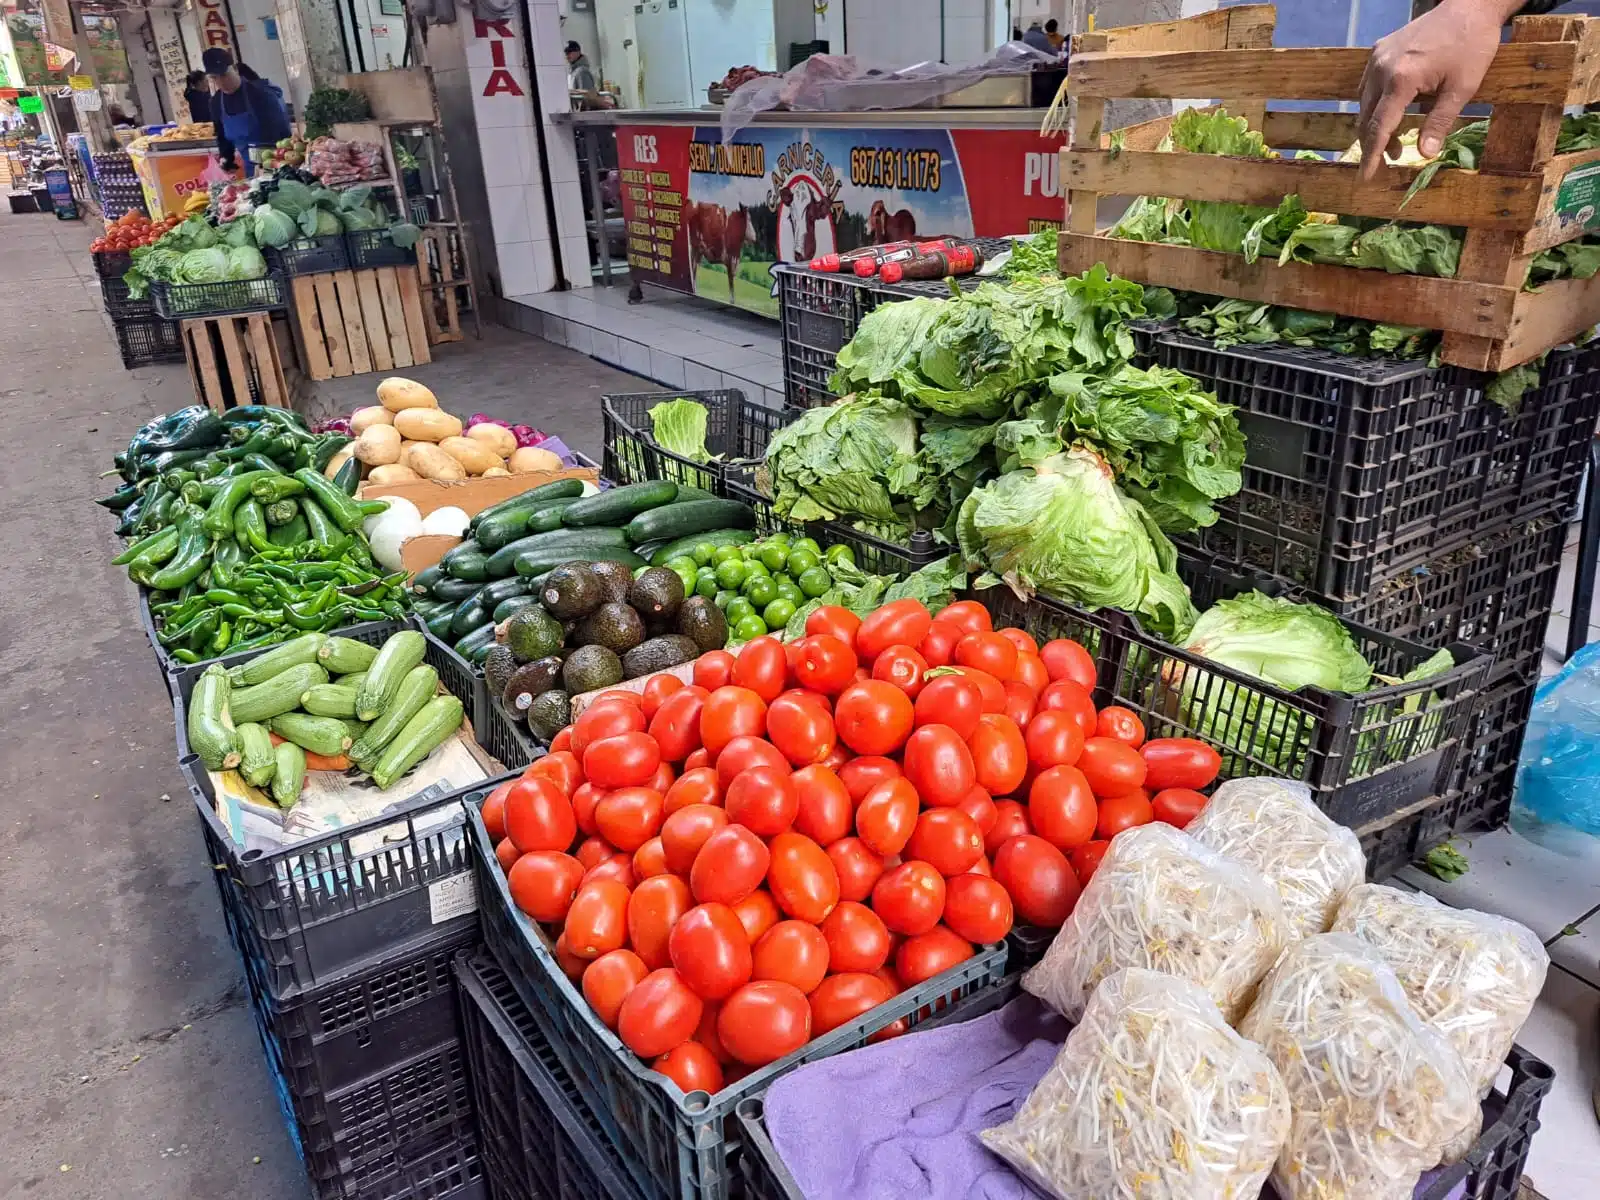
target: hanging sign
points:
(86, 101)
(81, 83)
(30, 104)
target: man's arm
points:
(224, 146)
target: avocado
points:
(615, 626)
(532, 633)
(571, 591)
(658, 654)
(498, 667)
(615, 577)
(590, 667)
(549, 714)
(528, 681)
(657, 593)
(704, 622)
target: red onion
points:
(486, 419)
(527, 435)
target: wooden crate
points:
(234, 361)
(1509, 206)
(436, 267)
(352, 322)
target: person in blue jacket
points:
(247, 111)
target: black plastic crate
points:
(536, 1136)
(146, 341)
(309, 255)
(1045, 619)
(737, 430)
(1487, 769)
(817, 313)
(506, 738)
(111, 264)
(1401, 838)
(119, 304)
(460, 678)
(1490, 1170)
(230, 297)
(671, 1145)
(375, 248)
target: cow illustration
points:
(717, 236)
(805, 208)
(882, 227)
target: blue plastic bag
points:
(1558, 775)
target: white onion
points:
(450, 521)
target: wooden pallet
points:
(1509, 206)
(234, 361)
(436, 269)
(352, 322)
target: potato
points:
(397, 394)
(338, 460)
(494, 437)
(426, 424)
(430, 462)
(376, 414)
(379, 445)
(393, 473)
(492, 472)
(470, 454)
(532, 458)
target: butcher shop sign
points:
(712, 217)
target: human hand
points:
(1445, 54)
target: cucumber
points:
(256, 760)
(415, 690)
(474, 647)
(303, 649)
(398, 656)
(469, 615)
(436, 721)
(620, 505)
(329, 700)
(684, 545)
(211, 732)
(427, 609)
(466, 561)
(537, 562)
(576, 543)
(277, 695)
(320, 735)
(454, 590)
(685, 492)
(289, 774)
(691, 517)
(532, 498)
(439, 623)
(502, 589)
(508, 527)
(647, 550)
(422, 582)
(506, 607)
(345, 656)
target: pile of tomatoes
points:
(736, 865)
(132, 230)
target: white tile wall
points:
(509, 215)
(547, 38)
(526, 266)
(569, 212)
(510, 157)
(562, 152)
(575, 259)
(553, 94)
(965, 39)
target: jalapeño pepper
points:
(191, 557)
(219, 520)
(250, 526)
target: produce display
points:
(194, 251)
(202, 131)
(1272, 825)
(132, 230)
(1153, 1096)
(1375, 1095)
(321, 703)
(241, 538)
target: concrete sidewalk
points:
(129, 1066)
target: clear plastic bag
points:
(1152, 1097)
(1272, 824)
(1163, 901)
(1561, 753)
(1375, 1094)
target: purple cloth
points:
(900, 1118)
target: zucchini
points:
(439, 623)
(355, 728)
(506, 607)
(537, 562)
(576, 542)
(474, 647)
(342, 655)
(303, 649)
(454, 590)
(469, 616)
(289, 774)
(256, 760)
(508, 527)
(210, 728)
(280, 694)
(353, 681)
(415, 690)
(422, 582)
(502, 589)
(320, 735)
(532, 498)
(685, 545)
(688, 518)
(398, 656)
(466, 561)
(426, 731)
(329, 700)
(620, 505)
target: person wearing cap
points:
(246, 110)
(580, 75)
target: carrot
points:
(323, 762)
(276, 740)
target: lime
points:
(749, 627)
(780, 537)
(789, 589)
(815, 582)
(777, 614)
(722, 599)
(738, 608)
(839, 554)
(681, 562)
(760, 590)
(724, 554)
(774, 556)
(705, 584)
(731, 574)
(638, 571)
(704, 553)
(806, 543)
(754, 566)
(802, 560)
(690, 579)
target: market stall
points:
(174, 166)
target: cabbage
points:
(327, 224)
(1288, 644)
(680, 427)
(202, 266)
(274, 228)
(245, 262)
(405, 235)
(238, 233)
(197, 235)
(293, 197)
(360, 218)
(1065, 528)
